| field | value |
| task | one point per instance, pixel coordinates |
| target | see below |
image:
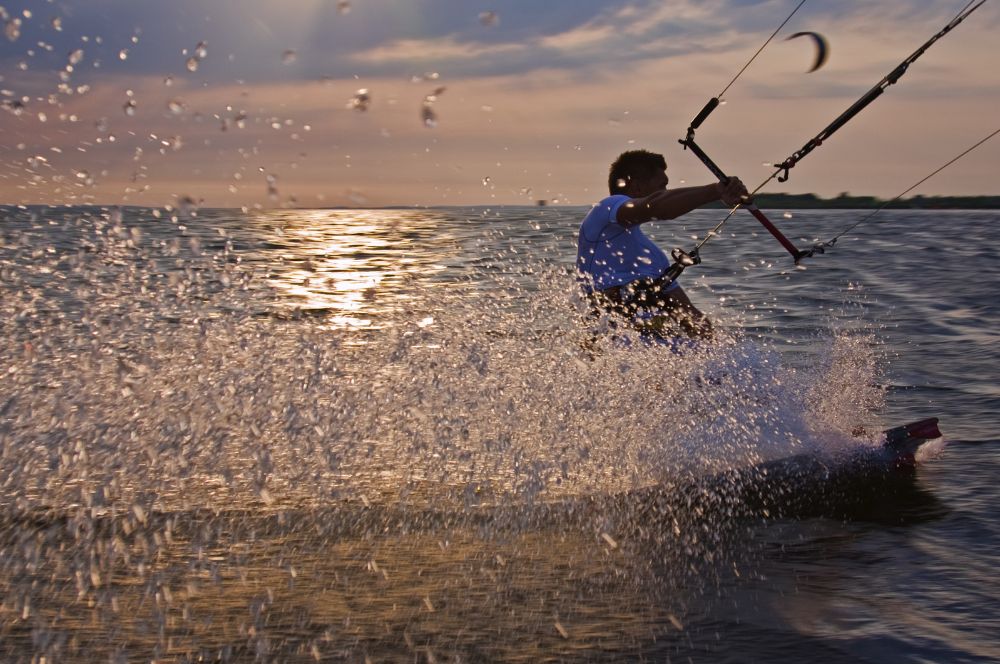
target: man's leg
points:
(685, 316)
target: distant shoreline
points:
(847, 202)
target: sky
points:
(329, 103)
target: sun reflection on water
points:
(354, 269)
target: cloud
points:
(607, 39)
(582, 37)
(436, 51)
(246, 38)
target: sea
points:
(401, 435)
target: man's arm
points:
(673, 203)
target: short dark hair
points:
(633, 164)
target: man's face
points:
(652, 183)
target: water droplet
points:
(123, 54)
(432, 97)
(14, 106)
(486, 181)
(343, 6)
(76, 56)
(361, 100)
(272, 186)
(289, 56)
(129, 107)
(187, 206)
(426, 76)
(192, 64)
(427, 113)
(621, 183)
(241, 120)
(42, 117)
(201, 50)
(176, 106)
(428, 116)
(13, 29)
(489, 18)
(168, 81)
(56, 23)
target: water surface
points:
(384, 435)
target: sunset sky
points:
(256, 102)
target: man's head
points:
(637, 173)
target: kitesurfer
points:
(622, 269)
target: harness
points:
(647, 305)
(637, 298)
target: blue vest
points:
(608, 254)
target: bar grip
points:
(705, 112)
